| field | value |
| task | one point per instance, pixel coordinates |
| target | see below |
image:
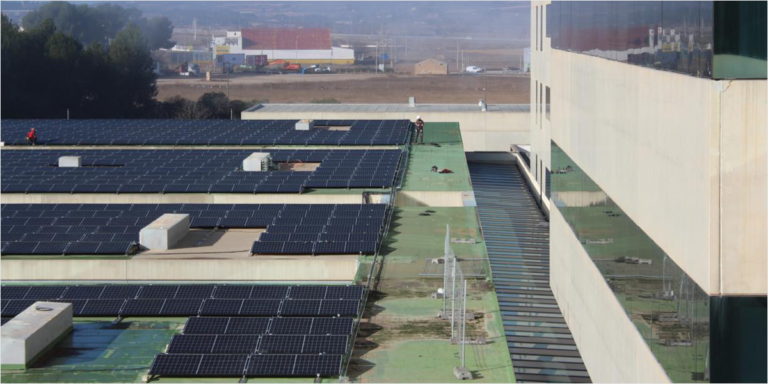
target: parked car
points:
(473, 69)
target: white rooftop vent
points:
(305, 125)
(70, 162)
(257, 162)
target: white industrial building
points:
(296, 45)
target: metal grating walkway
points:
(517, 238)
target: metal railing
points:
(376, 267)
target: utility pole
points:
(457, 56)
(194, 27)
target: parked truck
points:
(189, 69)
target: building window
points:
(536, 101)
(546, 101)
(541, 104)
(541, 29)
(537, 28)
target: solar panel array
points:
(306, 343)
(84, 229)
(192, 171)
(258, 346)
(204, 132)
(189, 300)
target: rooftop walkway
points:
(517, 238)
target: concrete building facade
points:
(648, 143)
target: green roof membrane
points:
(404, 341)
(442, 148)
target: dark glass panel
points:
(740, 39)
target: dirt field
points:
(356, 88)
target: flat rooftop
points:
(384, 108)
(400, 339)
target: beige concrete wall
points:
(250, 269)
(430, 199)
(646, 140)
(611, 347)
(480, 131)
(539, 124)
(156, 198)
(743, 194)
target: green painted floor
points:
(442, 148)
(406, 341)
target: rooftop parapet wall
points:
(492, 131)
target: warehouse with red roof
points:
(298, 45)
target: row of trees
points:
(46, 73)
(101, 23)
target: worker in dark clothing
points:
(32, 137)
(419, 130)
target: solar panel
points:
(260, 308)
(45, 292)
(158, 292)
(233, 292)
(194, 292)
(181, 307)
(143, 307)
(175, 365)
(120, 291)
(269, 292)
(170, 171)
(336, 344)
(222, 365)
(300, 308)
(332, 326)
(292, 325)
(221, 307)
(271, 365)
(97, 307)
(248, 326)
(214, 132)
(236, 344)
(281, 344)
(14, 307)
(191, 344)
(339, 308)
(206, 325)
(354, 292)
(9, 292)
(307, 292)
(83, 292)
(322, 365)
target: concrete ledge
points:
(430, 199)
(29, 335)
(164, 232)
(289, 268)
(201, 198)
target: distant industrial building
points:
(431, 67)
(648, 148)
(297, 45)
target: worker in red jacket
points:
(32, 137)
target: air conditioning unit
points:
(305, 125)
(258, 162)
